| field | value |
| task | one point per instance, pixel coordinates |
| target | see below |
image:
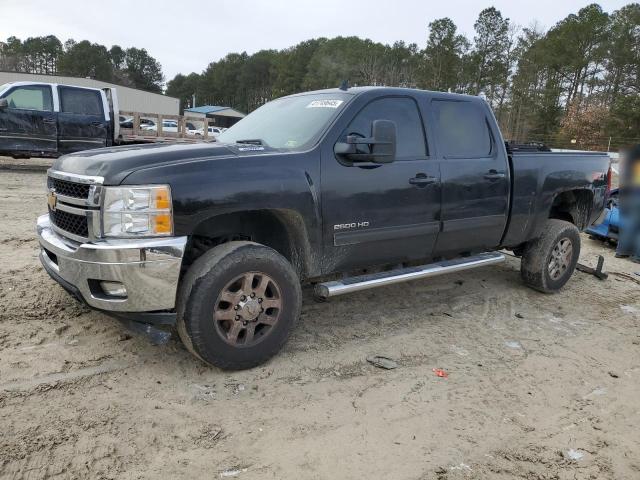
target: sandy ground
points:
(539, 387)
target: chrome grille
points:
(69, 189)
(74, 224)
(73, 204)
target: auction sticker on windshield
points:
(325, 104)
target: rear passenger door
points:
(475, 177)
(82, 122)
(28, 122)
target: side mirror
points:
(4, 103)
(381, 144)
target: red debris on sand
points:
(440, 373)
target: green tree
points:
(12, 55)
(220, 82)
(489, 60)
(142, 70)
(291, 66)
(118, 57)
(184, 87)
(525, 99)
(443, 56)
(622, 59)
(41, 54)
(577, 46)
(85, 59)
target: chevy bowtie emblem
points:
(52, 200)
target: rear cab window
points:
(461, 129)
(30, 97)
(80, 101)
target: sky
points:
(186, 36)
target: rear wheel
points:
(238, 304)
(549, 261)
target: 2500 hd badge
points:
(345, 226)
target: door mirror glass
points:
(4, 103)
(380, 147)
(384, 136)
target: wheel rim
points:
(247, 309)
(561, 257)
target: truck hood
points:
(115, 164)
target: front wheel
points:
(237, 305)
(549, 261)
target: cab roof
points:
(49, 84)
(391, 91)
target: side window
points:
(31, 97)
(461, 129)
(84, 102)
(404, 113)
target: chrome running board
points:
(363, 282)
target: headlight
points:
(137, 211)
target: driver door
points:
(384, 213)
(28, 122)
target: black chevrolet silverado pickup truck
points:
(345, 189)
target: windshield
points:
(288, 123)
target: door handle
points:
(422, 180)
(494, 175)
(97, 124)
(49, 120)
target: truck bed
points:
(538, 177)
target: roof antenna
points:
(344, 85)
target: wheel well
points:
(282, 230)
(573, 206)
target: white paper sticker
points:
(325, 104)
(256, 148)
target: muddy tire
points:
(237, 305)
(549, 261)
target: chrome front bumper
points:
(148, 268)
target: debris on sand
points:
(234, 472)
(235, 387)
(597, 392)
(574, 455)
(61, 329)
(202, 392)
(461, 467)
(380, 361)
(208, 436)
(513, 344)
(440, 373)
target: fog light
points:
(114, 289)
